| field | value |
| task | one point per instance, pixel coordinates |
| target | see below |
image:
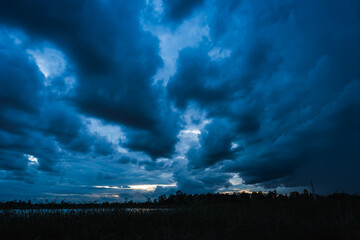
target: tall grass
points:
(209, 217)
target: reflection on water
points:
(82, 210)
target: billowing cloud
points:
(275, 95)
(186, 93)
(114, 58)
(33, 121)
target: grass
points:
(209, 217)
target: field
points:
(181, 216)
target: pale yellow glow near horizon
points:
(150, 187)
(238, 191)
(143, 187)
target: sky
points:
(108, 100)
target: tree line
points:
(180, 199)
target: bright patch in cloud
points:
(192, 131)
(234, 145)
(236, 180)
(189, 34)
(157, 6)
(32, 160)
(109, 187)
(219, 53)
(51, 62)
(150, 187)
(112, 133)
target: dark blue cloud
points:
(10, 160)
(33, 122)
(114, 58)
(178, 10)
(290, 64)
(160, 140)
(215, 142)
(18, 72)
(201, 181)
(197, 79)
(273, 89)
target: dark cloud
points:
(215, 142)
(21, 95)
(152, 165)
(189, 184)
(197, 79)
(105, 176)
(178, 10)
(17, 71)
(283, 91)
(126, 159)
(12, 160)
(273, 89)
(33, 121)
(157, 142)
(324, 151)
(114, 58)
(201, 181)
(164, 191)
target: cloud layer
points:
(267, 93)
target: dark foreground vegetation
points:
(181, 216)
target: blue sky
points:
(107, 100)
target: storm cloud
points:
(283, 77)
(200, 96)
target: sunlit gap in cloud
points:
(239, 186)
(236, 180)
(142, 187)
(194, 123)
(238, 191)
(238, 144)
(32, 160)
(192, 131)
(113, 133)
(189, 34)
(52, 63)
(234, 145)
